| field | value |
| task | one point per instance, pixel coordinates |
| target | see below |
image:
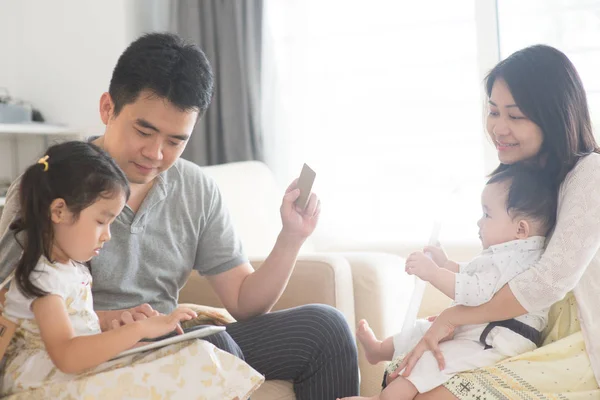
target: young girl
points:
(68, 201)
(519, 209)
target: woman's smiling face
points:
(515, 136)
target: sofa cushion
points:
(275, 390)
(252, 195)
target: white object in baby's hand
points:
(418, 291)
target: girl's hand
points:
(163, 324)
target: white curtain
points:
(572, 26)
(384, 100)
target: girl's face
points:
(515, 136)
(82, 238)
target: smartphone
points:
(305, 183)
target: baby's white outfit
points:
(474, 346)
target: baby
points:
(519, 210)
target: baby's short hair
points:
(531, 193)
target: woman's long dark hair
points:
(79, 173)
(547, 89)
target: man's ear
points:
(107, 107)
(59, 211)
(523, 229)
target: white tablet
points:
(206, 330)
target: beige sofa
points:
(360, 284)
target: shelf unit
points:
(21, 143)
(35, 129)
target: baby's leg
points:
(398, 389)
(375, 350)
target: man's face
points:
(147, 136)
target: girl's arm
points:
(73, 354)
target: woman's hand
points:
(440, 330)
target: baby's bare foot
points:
(367, 338)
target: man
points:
(175, 220)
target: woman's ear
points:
(58, 211)
(523, 229)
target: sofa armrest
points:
(321, 278)
(382, 293)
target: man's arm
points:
(246, 292)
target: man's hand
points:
(420, 265)
(298, 223)
(115, 318)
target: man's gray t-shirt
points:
(181, 224)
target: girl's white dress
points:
(193, 369)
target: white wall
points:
(59, 55)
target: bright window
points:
(384, 100)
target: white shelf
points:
(34, 128)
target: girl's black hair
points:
(79, 173)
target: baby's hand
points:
(163, 324)
(438, 255)
(420, 265)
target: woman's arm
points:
(73, 354)
(503, 305)
(573, 244)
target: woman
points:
(538, 114)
